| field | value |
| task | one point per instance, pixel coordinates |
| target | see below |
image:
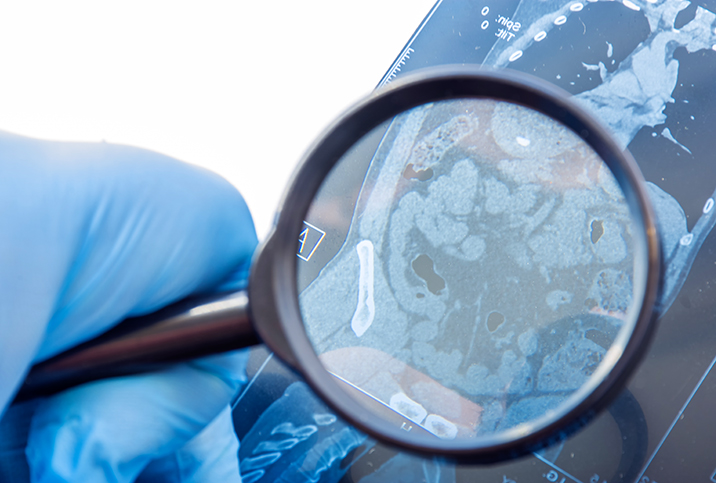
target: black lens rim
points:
(273, 288)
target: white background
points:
(241, 88)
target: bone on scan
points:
(365, 311)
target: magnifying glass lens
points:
(470, 267)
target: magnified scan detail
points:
(487, 270)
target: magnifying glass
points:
(464, 264)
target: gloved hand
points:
(89, 235)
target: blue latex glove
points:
(89, 235)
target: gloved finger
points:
(212, 455)
(109, 431)
(94, 233)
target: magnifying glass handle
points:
(188, 329)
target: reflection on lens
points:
(477, 267)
